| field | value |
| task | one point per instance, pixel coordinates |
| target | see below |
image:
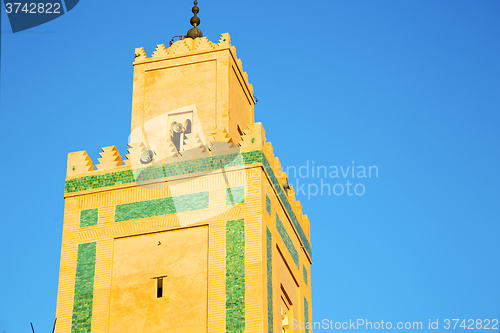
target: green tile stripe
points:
(306, 314)
(163, 206)
(148, 173)
(235, 195)
(88, 217)
(304, 273)
(287, 240)
(286, 203)
(268, 204)
(84, 288)
(98, 181)
(270, 313)
(206, 164)
(235, 276)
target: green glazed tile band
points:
(207, 164)
(287, 240)
(235, 195)
(286, 203)
(268, 204)
(304, 272)
(88, 217)
(235, 276)
(163, 206)
(84, 288)
(306, 313)
(270, 316)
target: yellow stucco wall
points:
(181, 256)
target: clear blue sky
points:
(412, 87)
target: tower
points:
(197, 229)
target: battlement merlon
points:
(194, 72)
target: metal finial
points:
(195, 22)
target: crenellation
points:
(269, 152)
(307, 226)
(181, 46)
(291, 197)
(298, 212)
(254, 137)
(203, 44)
(233, 51)
(79, 163)
(250, 87)
(160, 52)
(221, 141)
(199, 44)
(195, 148)
(140, 54)
(221, 135)
(298, 205)
(166, 149)
(239, 63)
(134, 152)
(278, 172)
(110, 159)
(224, 40)
(291, 200)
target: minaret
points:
(196, 230)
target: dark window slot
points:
(159, 287)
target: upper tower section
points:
(194, 82)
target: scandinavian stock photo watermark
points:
(312, 180)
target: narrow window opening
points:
(286, 311)
(159, 287)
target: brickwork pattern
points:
(235, 276)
